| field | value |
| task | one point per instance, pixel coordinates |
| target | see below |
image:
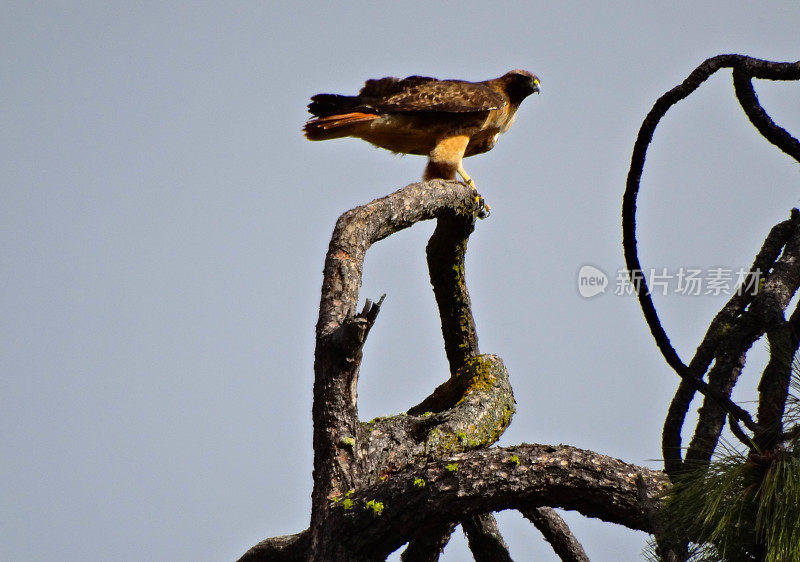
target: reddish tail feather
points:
(336, 126)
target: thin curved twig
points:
(746, 66)
(780, 137)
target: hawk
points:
(445, 120)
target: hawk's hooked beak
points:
(536, 85)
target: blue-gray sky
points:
(164, 226)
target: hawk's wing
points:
(421, 93)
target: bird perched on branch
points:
(445, 120)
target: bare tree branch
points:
(720, 328)
(557, 533)
(428, 543)
(773, 388)
(484, 538)
(287, 548)
(338, 354)
(490, 480)
(764, 315)
(446, 256)
(665, 549)
(524, 477)
(470, 410)
(742, 82)
(745, 67)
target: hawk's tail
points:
(336, 126)
(325, 105)
(336, 116)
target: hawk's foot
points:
(484, 209)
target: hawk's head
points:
(519, 84)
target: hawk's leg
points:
(486, 209)
(444, 162)
(445, 158)
(465, 176)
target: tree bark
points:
(413, 477)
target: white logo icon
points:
(591, 281)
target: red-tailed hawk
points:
(445, 120)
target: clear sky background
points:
(164, 223)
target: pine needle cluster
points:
(741, 507)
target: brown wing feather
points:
(385, 87)
(421, 93)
